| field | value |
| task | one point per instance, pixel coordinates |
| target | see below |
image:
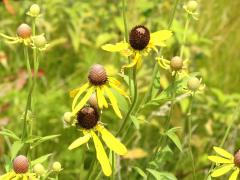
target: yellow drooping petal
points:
(76, 93)
(234, 175)
(26, 178)
(101, 155)
(134, 62)
(105, 104)
(73, 92)
(119, 90)
(99, 98)
(115, 47)
(157, 38)
(222, 170)
(164, 63)
(219, 160)
(113, 143)
(83, 100)
(78, 142)
(113, 101)
(223, 152)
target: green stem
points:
(189, 120)
(126, 39)
(185, 35)
(28, 105)
(113, 165)
(226, 134)
(133, 103)
(91, 169)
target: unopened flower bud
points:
(20, 164)
(39, 41)
(93, 101)
(39, 169)
(193, 83)
(57, 166)
(68, 117)
(176, 63)
(24, 31)
(192, 5)
(34, 10)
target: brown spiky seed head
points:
(237, 158)
(139, 37)
(20, 164)
(97, 75)
(87, 117)
(176, 63)
(24, 31)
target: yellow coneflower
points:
(20, 170)
(141, 42)
(99, 83)
(87, 119)
(225, 162)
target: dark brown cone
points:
(237, 158)
(139, 37)
(87, 117)
(24, 31)
(97, 75)
(20, 164)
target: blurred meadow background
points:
(76, 30)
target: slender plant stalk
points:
(189, 120)
(91, 169)
(28, 105)
(113, 165)
(185, 35)
(226, 134)
(133, 103)
(130, 72)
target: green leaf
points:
(43, 139)
(162, 175)
(40, 159)
(135, 121)
(17, 145)
(175, 139)
(140, 172)
(6, 132)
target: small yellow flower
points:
(99, 84)
(88, 121)
(20, 170)
(141, 42)
(225, 162)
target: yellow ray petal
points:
(218, 159)
(78, 142)
(139, 63)
(73, 92)
(113, 101)
(76, 93)
(99, 98)
(223, 152)
(119, 90)
(115, 47)
(105, 104)
(101, 155)
(134, 62)
(234, 175)
(113, 143)
(222, 170)
(84, 100)
(25, 177)
(158, 37)
(114, 81)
